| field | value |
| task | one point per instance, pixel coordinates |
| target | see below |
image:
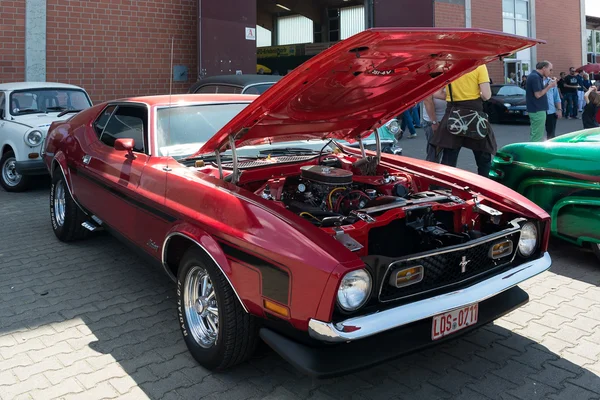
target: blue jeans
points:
(407, 121)
(415, 115)
(571, 100)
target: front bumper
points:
(31, 167)
(342, 358)
(373, 324)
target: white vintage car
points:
(26, 111)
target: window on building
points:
(352, 21)
(263, 37)
(515, 17)
(294, 29)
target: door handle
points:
(86, 159)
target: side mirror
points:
(125, 145)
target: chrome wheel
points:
(9, 172)
(201, 308)
(59, 202)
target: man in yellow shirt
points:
(467, 94)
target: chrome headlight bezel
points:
(393, 126)
(529, 239)
(33, 134)
(349, 282)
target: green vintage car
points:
(562, 176)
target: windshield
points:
(34, 101)
(182, 130)
(188, 127)
(508, 90)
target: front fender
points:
(577, 219)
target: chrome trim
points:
(378, 146)
(170, 274)
(372, 324)
(490, 238)
(362, 147)
(236, 172)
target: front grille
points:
(442, 269)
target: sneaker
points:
(414, 135)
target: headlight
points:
(528, 240)
(507, 105)
(354, 290)
(394, 126)
(33, 138)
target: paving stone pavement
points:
(89, 320)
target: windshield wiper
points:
(29, 111)
(68, 112)
(289, 150)
(56, 108)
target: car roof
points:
(164, 100)
(239, 80)
(36, 85)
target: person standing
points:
(465, 96)
(537, 101)
(561, 89)
(570, 88)
(434, 105)
(407, 122)
(580, 91)
(523, 81)
(554, 110)
(592, 105)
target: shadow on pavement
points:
(574, 262)
(91, 313)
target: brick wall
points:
(563, 48)
(449, 15)
(120, 48)
(12, 41)
(487, 14)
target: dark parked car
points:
(507, 104)
(235, 84)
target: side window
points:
(207, 89)
(128, 122)
(229, 89)
(2, 101)
(101, 121)
(219, 89)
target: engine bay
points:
(374, 210)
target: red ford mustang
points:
(337, 258)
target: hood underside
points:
(360, 83)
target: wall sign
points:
(250, 33)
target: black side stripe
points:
(127, 198)
(275, 281)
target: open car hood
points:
(359, 84)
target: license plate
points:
(452, 321)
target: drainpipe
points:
(583, 34)
(468, 14)
(201, 72)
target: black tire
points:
(68, 227)
(596, 249)
(237, 334)
(9, 179)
